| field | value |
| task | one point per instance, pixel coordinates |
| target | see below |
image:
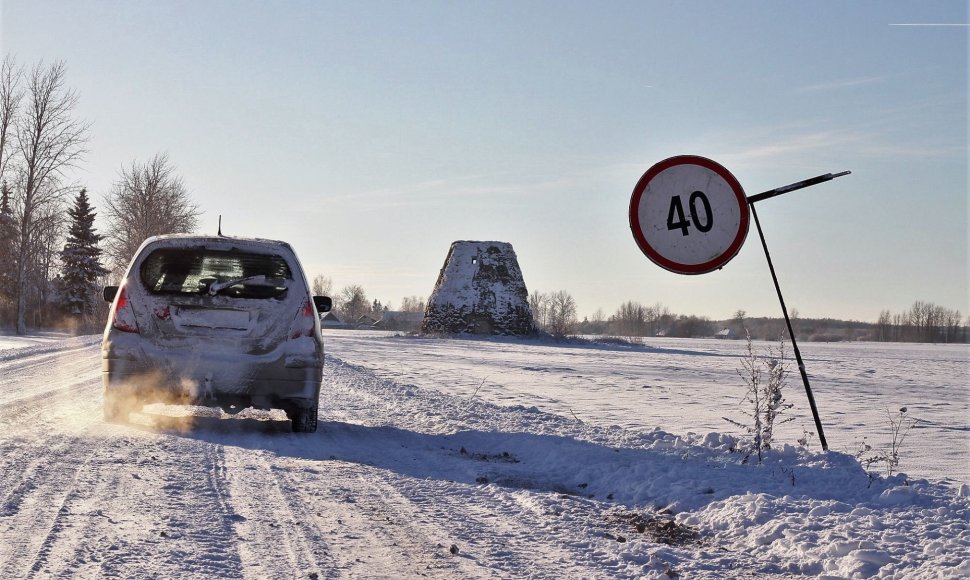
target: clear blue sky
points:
(373, 134)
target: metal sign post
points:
(689, 215)
(781, 299)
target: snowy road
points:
(400, 473)
(199, 495)
(178, 494)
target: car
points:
(215, 321)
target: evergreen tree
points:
(8, 252)
(81, 261)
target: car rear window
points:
(197, 270)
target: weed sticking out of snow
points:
(900, 424)
(765, 377)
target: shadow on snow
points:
(685, 476)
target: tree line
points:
(555, 313)
(53, 262)
(923, 322)
(352, 306)
(635, 320)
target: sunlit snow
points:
(491, 458)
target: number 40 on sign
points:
(689, 214)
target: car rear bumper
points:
(270, 380)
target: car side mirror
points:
(323, 303)
(109, 293)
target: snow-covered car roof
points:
(189, 240)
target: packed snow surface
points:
(457, 458)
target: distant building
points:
(402, 321)
(727, 333)
(330, 320)
(365, 321)
(480, 290)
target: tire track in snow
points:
(41, 471)
(274, 539)
(371, 529)
(493, 530)
(491, 522)
(77, 525)
(189, 530)
(39, 504)
(154, 507)
(504, 527)
(61, 427)
(116, 500)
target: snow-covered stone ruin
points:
(480, 290)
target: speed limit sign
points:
(689, 214)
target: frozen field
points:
(689, 385)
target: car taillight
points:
(124, 316)
(303, 324)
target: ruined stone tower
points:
(480, 291)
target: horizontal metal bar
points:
(792, 187)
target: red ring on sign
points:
(671, 265)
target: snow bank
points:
(800, 512)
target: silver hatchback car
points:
(214, 321)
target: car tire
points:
(303, 420)
(113, 408)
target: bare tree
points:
(412, 304)
(562, 314)
(148, 199)
(738, 321)
(10, 96)
(658, 319)
(952, 322)
(630, 319)
(353, 303)
(884, 326)
(539, 305)
(322, 285)
(8, 256)
(50, 227)
(49, 141)
(917, 318)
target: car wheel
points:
(303, 420)
(114, 409)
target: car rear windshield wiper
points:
(217, 287)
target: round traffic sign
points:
(689, 214)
